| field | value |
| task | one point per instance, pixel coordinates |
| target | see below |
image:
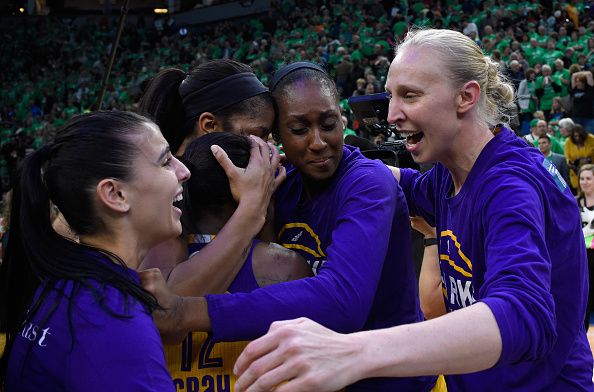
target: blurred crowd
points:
(53, 67)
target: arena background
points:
(55, 54)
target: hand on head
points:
(258, 181)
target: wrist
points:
(429, 241)
(251, 215)
(362, 365)
(195, 315)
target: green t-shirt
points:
(534, 55)
(549, 57)
(556, 147)
(546, 99)
(563, 74)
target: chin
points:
(420, 159)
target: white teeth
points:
(408, 133)
(178, 198)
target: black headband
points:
(219, 95)
(287, 69)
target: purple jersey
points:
(512, 239)
(94, 351)
(356, 234)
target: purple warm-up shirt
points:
(512, 238)
(356, 235)
(95, 351)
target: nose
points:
(395, 114)
(317, 141)
(181, 171)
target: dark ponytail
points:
(65, 173)
(175, 100)
(161, 102)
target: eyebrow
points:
(327, 113)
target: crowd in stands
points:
(53, 67)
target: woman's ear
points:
(207, 123)
(112, 195)
(468, 96)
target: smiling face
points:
(310, 128)
(156, 185)
(423, 104)
(587, 182)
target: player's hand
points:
(296, 355)
(258, 181)
(169, 318)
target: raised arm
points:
(587, 74)
(213, 268)
(343, 290)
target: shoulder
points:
(589, 140)
(355, 170)
(515, 174)
(273, 264)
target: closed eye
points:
(298, 131)
(168, 160)
(329, 127)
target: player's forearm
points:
(430, 290)
(195, 315)
(213, 268)
(464, 341)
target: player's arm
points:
(273, 264)
(213, 268)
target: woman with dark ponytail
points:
(75, 313)
(211, 105)
(217, 96)
(220, 95)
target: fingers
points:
(251, 353)
(223, 160)
(260, 150)
(151, 279)
(275, 157)
(263, 345)
(262, 375)
(284, 323)
(281, 175)
(262, 366)
(274, 379)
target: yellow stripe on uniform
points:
(457, 268)
(440, 385)
(309, 230)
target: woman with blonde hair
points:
(510, 246)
